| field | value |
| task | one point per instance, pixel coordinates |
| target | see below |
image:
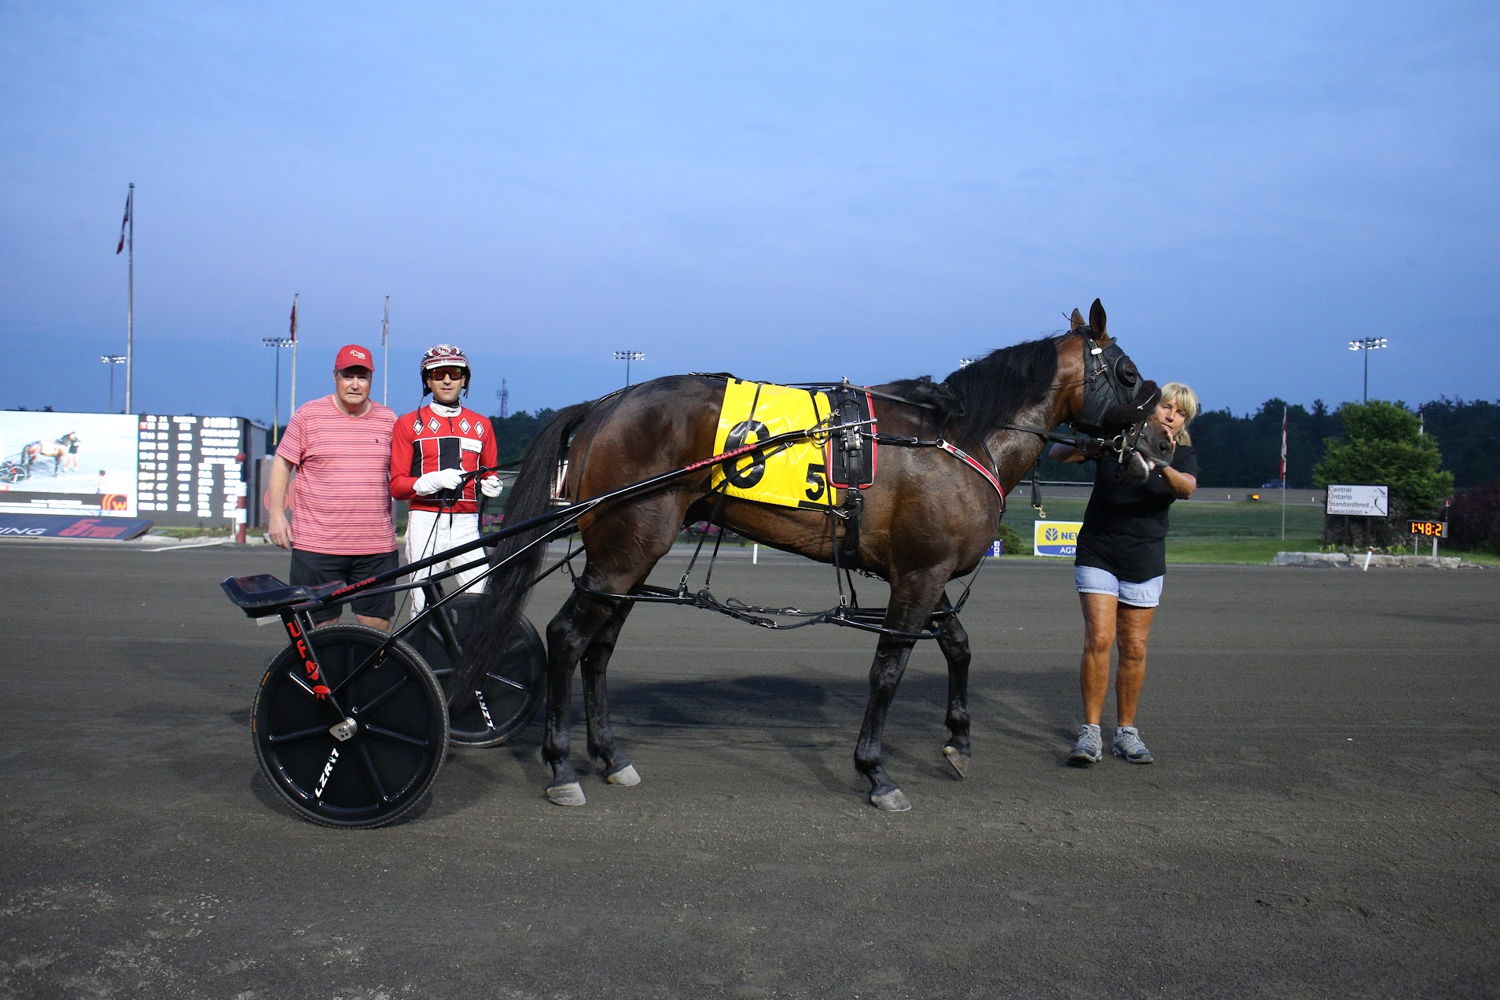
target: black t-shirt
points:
(1125, 524)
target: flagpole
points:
(1283, 471)
(385, 339)
(293, 407)
(128, 234)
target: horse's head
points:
(1115, 402)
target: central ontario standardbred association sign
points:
(1360, 501)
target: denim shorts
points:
(1092, 580)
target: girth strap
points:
(852, 512)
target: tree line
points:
(1441, 451)
(1245, 451)
(1241, 452)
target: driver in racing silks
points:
(431, 449)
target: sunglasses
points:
(452, 372)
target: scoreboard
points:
(192, 468)
(172, 470)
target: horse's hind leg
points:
(601, 739)
(953, 640)
(569, 636)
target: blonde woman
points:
(1118, 571)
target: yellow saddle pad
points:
(793, 475)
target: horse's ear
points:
(1076, 320)
(1097, 320)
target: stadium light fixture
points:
(627, 357)
(278, 343)
(112, 360)
(1368, 344)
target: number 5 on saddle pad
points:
(795, 474)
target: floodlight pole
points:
(278, 343)
(112, 360)
(1368, 344)
(627, 357)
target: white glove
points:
(442, 479)
(490, 486)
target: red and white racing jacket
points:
(440, 437)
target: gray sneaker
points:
(1127, 743)
(1089, 749)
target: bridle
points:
(1109, 381)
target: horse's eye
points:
(1128, 374)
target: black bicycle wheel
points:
(366, 751)
(509, 693)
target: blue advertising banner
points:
(117, 529)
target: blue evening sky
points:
(789, 191)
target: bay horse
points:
(36, 450)
(927, 519)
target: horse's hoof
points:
(627, 776)
(893, 801)
(570, 794)
(958, 760)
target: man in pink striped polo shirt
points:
(340, 528)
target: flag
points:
(125, 222)
(1281, 472)
(294, 319)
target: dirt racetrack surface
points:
(1320, 822)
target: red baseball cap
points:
(354, 356)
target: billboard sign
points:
(1361, 501)
(67, 463)
(57, 526)
(174, 470)
(1055, 538)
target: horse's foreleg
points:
(953, 640)
(912, 601)
(569, 634)
(891, 656)
(601, 739)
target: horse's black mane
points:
(994, 389)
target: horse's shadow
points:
(789, 723)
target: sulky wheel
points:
(509, 693)
(364, 753)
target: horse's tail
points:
(529, 496)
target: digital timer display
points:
(1430, 529)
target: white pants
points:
(428, 533)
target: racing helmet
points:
(443, 356)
